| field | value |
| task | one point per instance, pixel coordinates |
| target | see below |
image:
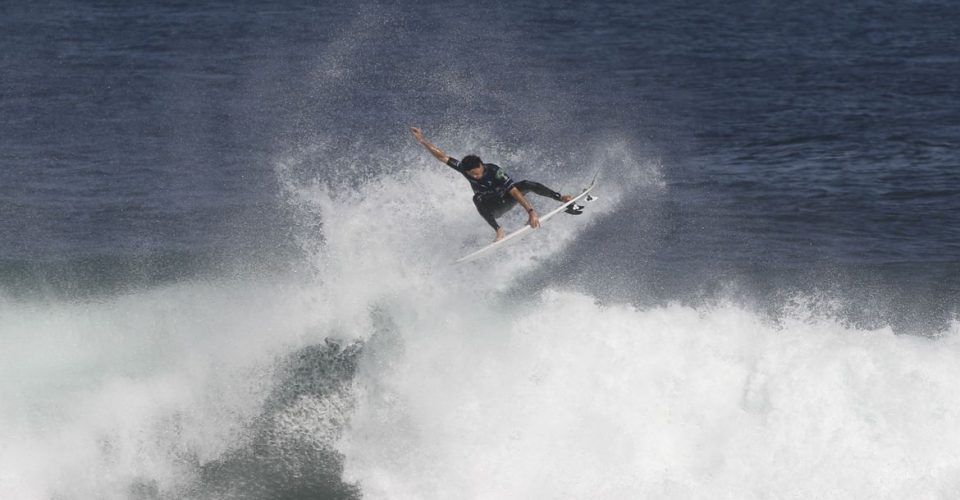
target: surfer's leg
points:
(487, 208)
(527, 186)
(535, 187)
(502, 205)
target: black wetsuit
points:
(491, 192)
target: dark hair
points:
(470, 162)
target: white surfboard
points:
(526, 228)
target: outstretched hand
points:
(435, 151)
(418, 134)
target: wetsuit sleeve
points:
(453, 163)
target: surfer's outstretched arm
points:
(435, 151)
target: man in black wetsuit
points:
(494, 192)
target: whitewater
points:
(446, 381)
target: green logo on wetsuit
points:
(500, 174)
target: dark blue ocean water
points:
(804, 148)
(138, 139)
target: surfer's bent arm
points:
(518, 195)
(435, 151)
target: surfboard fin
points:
(574, 209)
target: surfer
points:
(494, 192)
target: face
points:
(476, 172)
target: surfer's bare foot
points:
(565, 198)
(500, 234)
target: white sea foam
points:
(568, 398)
(138, 389)
(463, 391)
(467, 395)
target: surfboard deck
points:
(526, 228)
